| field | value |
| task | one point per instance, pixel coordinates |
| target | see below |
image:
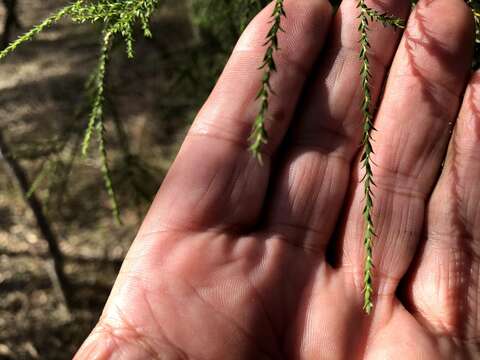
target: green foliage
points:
(97, 86)
(368, 14)
(259, 135)
(118, 16)
(107, 178)
(36, 30)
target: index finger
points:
(214, 181)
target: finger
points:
(445, 284)
(315, 168)
(420, 103)
(214, 180)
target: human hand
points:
(241, 261)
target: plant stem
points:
(98, 85)
(369, 231)
(369, 235)
(96, 122)
(52, 19)
(106, 173)
(259, 135)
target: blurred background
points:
(60, 248)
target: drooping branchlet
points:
(259, 136)
(368, 14)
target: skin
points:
(241, 261)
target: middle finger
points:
(414, 123)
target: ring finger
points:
(421, 101)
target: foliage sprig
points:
(105, 168)
(33, 32)
(98, 88)
(368, 14)
(259, 135)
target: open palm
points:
(241, 261)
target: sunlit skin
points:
(241, 261)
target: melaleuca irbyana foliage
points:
(258, 137)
